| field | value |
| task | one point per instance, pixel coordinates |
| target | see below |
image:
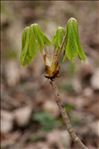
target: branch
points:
(65, 117)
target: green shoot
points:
(66, 43)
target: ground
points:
(30, 118)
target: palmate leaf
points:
(32, 39)
(73, 47)
(58, 37)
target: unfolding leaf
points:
(46, 40)
(24, 57)
(32, 39)
(73, 47)
(80, 50)
(40, 37)
(58, 37)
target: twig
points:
(66, 119)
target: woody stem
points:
(65, 117)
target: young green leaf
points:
(80, 50)
(58, 37)
(32, 39)
(73, 47)
(29, 46)
(24, 57)
(47, 42)
(38, 35)
(41, 37)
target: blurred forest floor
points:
(30, 118)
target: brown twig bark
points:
(65, 117)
